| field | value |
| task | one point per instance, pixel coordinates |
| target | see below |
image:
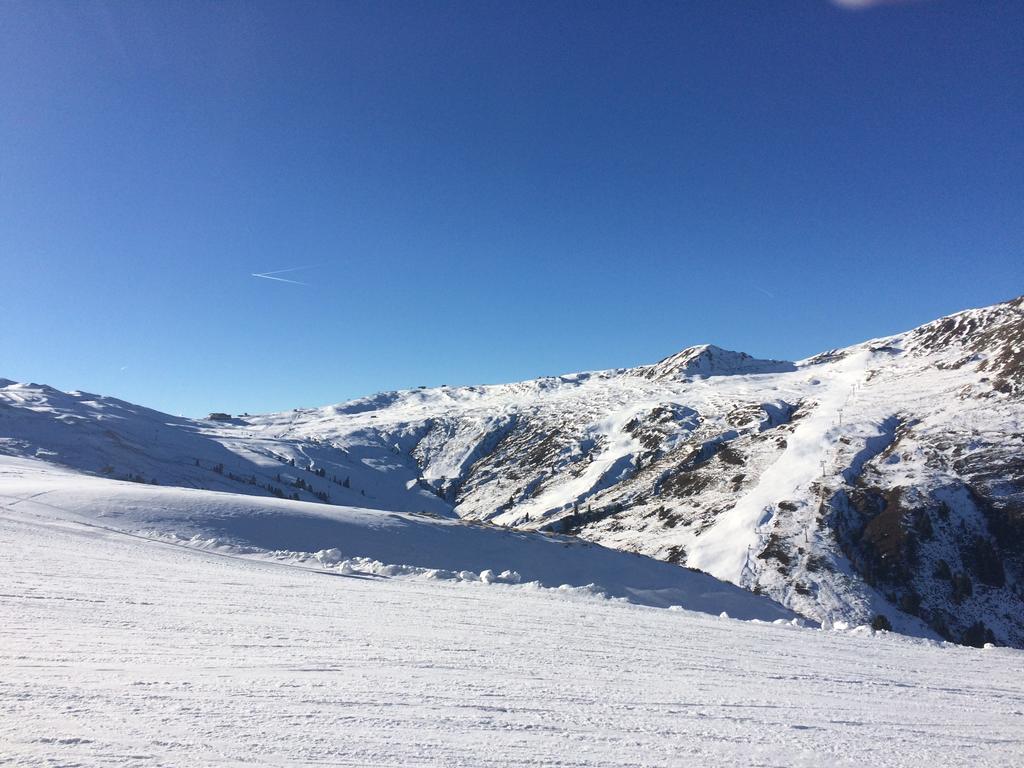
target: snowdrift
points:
(251, 525)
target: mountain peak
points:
(709, 360)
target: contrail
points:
(279, 279)
(270, 275)
(860, 5)
(764, 291)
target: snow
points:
(604, 470)
(724, 550)
(923, 415)
(709, 360)
(121, 650)
(238, 524)
(201, 621)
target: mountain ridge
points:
(878, 480)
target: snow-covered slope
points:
(884, 479)
(125, 651)
(114, 438)
(347, 538)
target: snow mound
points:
(33, 488)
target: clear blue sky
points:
(489, 191)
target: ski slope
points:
(725, 549)
(344, 539)
(123, 650)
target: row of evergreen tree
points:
(298, 483)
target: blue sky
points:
(489, 191)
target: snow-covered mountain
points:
(881, 482)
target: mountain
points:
(709, 360)
(882, 482)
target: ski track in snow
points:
(118, 651)
(724, 550)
